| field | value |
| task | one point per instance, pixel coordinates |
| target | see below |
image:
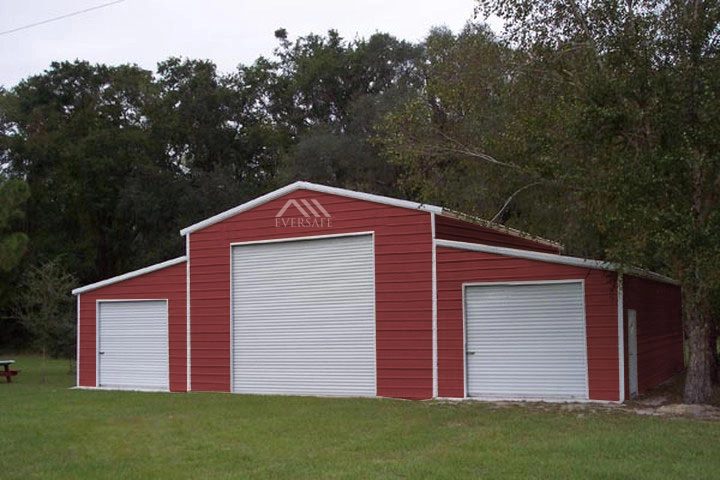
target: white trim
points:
(621, 337)
(296, 239)
(523, 282)
(525, 400)
(315, 188)
(434, 310)
(529, 399)
(464, 345)
(121, 300)
(110, 389)
(77, 345)
(374, 294)
(97, 339)
(528, 282)
(299, 239)
(585, 342)
(552, 258)
(188, 381)
(232, 320)
(129, 275)
(97, 344)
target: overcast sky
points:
(227, 32)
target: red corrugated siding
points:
(403, 277)
(455, 267)
(168, 283)
(448, 228)
(659, 330)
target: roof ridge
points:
(300, 185)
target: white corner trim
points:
(187, 313)
(77, 345)
(553, 258)
(621, 338)
(434, 310)
(312, 187)
(129, 275)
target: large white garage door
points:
(133, 345)
(526, 341)
(304, 317)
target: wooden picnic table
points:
(7, 373)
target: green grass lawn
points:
(50, 431)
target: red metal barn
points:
(315, 290)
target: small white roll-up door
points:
(526, 341)
(133, 345)
(304, 317)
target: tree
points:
(328, 93)
(13, 248)
(465, 140)
(13, 244)
(645, 86)
(76, 134)
(606, 108)
(206, 120)
(45, 307)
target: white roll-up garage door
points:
(133, 345)
(304, 317)
(526, 341)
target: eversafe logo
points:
(313, 215)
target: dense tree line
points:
(595, 123)
(103, 165)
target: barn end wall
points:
(168, 283)
(457, 266)
(659, 330)
(448, 228)
(403, 285)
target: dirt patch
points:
(656, 407)
(665, 400)
(701, 412)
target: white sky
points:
(227, 32)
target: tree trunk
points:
(698, 383)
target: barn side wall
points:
(168, 283)
(455, 267)
(403, 286)
(659, 330)
(447, 228)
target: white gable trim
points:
(129, 275)
(552, 258)
(315, 188)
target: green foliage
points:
(45, 307)
(596, 123)
(119, 159)
(13, 195)
(461, 141)
(75, 134)
(329, 93)
(114, 157)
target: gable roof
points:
(314, 187)
(553, 258)
(369, 197)
(499, 227)
(129, 275)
